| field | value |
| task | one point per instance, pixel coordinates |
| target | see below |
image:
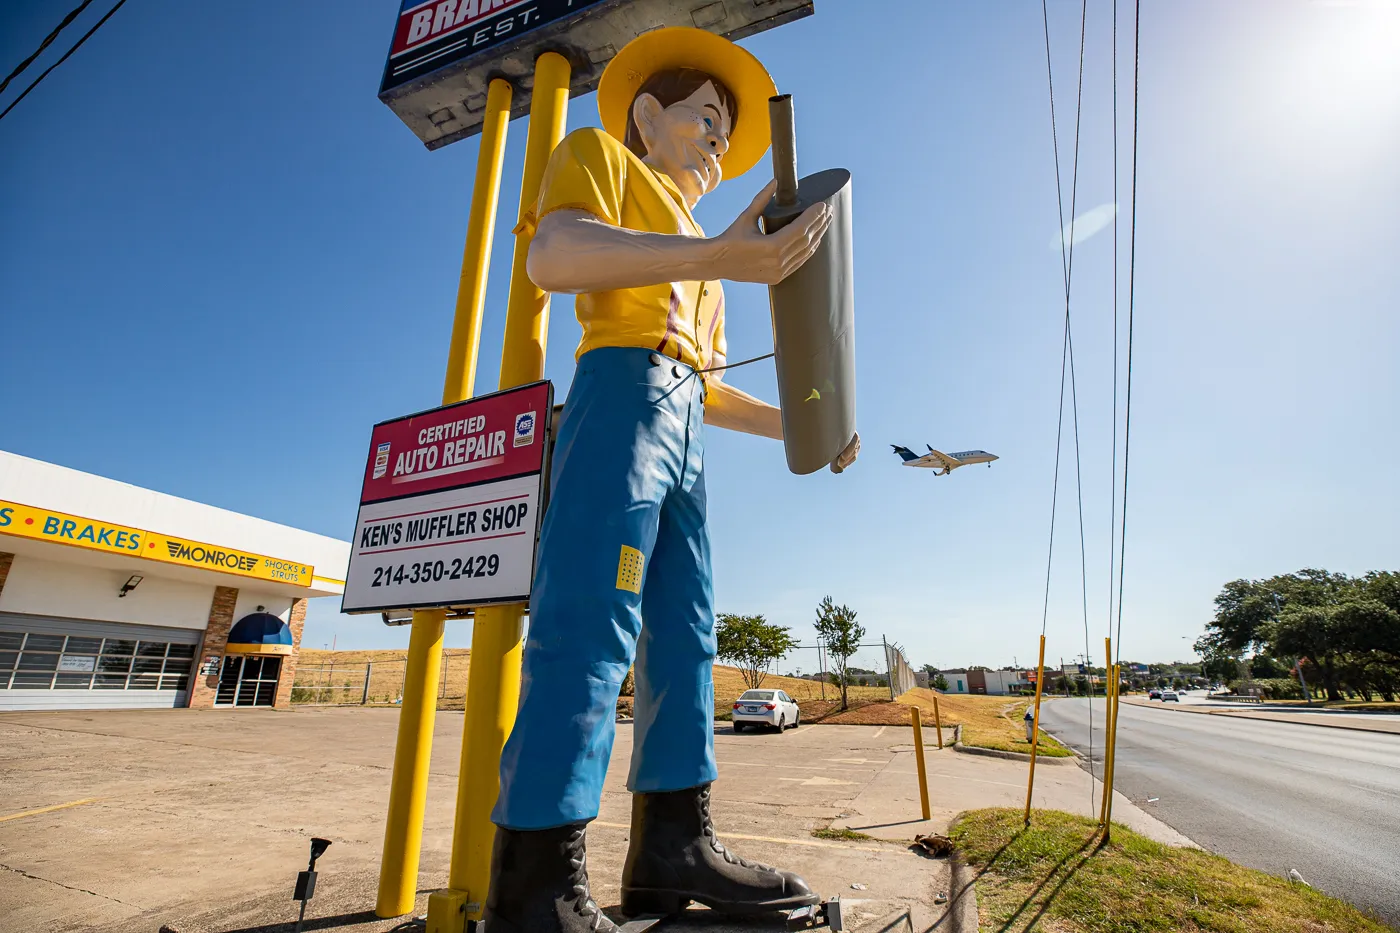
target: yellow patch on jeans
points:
(629, 570)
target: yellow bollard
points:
(1035, 727)
(493, 688)
(408, 789)
(919, 760)
(476, 253)
(1111, 751)
(937, 720)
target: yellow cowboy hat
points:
(686, 47)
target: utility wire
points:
(87, 35)
(48, 40)
(1132, 257)
(1067, 349)
(1113, 482)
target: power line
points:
(1067, 348)
(1113, 473)
(48, 40)
(1132, 269)
(87, 35)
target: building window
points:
(35, 661)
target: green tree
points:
(840, 633)
(940, 682)
(751, 643)
(1311, 631)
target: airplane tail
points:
(905, 453)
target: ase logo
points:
(524, 429)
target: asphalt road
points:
(1269, 795)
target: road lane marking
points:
(37, 810)
(762, 764)
(810, 843)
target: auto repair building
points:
(114, 596)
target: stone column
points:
(203, 688)
(296, 621)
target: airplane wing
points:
(940, 459)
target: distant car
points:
(772, 708)
(1154, 694)
(1170, 696)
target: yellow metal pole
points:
(403, 836)
(1035, 727)
(493, 687)
(919, 760)
(527, 312)
(937, 720)
(408, 789)
(1108, 729)
(476, 253)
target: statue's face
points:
(686, 140)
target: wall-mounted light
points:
(130, 584)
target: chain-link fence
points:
(901, 675)
(367, 683)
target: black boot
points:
(674, 858)
(539, 884)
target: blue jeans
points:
(627, 481)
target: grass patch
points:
(849, 835)
(987, 721)
(1054, 878)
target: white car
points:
(772, 708)
(1170, 696)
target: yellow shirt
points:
(593, 172)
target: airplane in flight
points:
(943, 463)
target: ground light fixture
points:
(306, 880)
(131, 583)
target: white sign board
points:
(450, 508)
(457, 547)
(77, 663)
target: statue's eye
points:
(709, 124)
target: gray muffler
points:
(813, 310)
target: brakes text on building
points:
(41, 524)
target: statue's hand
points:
(848, 456)
(746, 254)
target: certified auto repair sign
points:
(451, 504)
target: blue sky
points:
(223, 260)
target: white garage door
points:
(48, 663)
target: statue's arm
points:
(574, 252)
(736, 410)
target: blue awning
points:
(259, 633)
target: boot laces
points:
(584, 905)
(707, 827)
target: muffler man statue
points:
(624, 564)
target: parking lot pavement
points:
(201, 819)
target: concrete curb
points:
(958, 746)
(1267, 717)
(962, 915)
